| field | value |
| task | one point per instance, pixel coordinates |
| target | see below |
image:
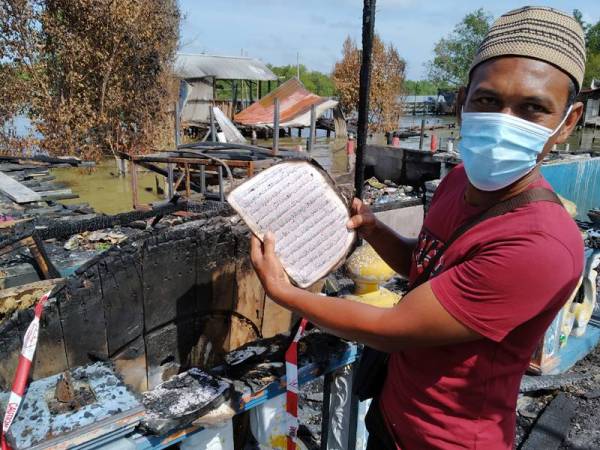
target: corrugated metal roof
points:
(221, 67)
(294, 102)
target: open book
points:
(299, 204)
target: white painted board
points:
(17, 191)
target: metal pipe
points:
(368, 27)
(421, 138)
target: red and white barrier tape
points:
(291, 376)
(23, 368)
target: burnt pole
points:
(368, 29)
(276, 126)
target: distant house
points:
(591, 106)
(422, 104)
(201, 72)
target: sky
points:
(275, 31)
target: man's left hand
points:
(268, 267)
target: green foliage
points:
(453, 54)
(592, 69)
(592, 40)
(420, 87)
(315, 81)
(578, 15)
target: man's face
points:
(527, 88)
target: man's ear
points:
(461, 97)
(570, 123)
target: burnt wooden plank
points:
(249, 302)
(552, 426)
(120, 274)
(130, 363)
(169, 282)
(82, 317)
(223, 288)
(276, 319)
(50, 356)
(11, 341)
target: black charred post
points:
(368, 28)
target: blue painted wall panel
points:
(578, 181)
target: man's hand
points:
(363, 220)
(268, 267)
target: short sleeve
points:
(507, 283)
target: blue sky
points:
(275, 30)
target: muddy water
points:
(104, 190)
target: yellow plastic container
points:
(369, 271)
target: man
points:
(460, 342)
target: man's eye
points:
(485, 101)
(534, 108)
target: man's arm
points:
(394, 249)
(418, 320)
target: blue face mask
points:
(498, 149)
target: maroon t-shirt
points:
(506, 278)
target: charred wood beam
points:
(552, 426)
(368, 29)
(531, 383)
(62, 229)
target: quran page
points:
(297, 203)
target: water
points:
(330, 152)
(110, 194)
(106, 192)
(21, 126)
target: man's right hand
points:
(362, 219)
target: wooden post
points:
(187, 181)
(233, 98)
(213, 130)
(177, 125)
(312, 135)
(134, 186)
(221, 186)
(251, 92)
(368, 25)
(170, 187)
(268, 86)
(422, 134)
(299, 132)
(202, 179)
(276, 127)
(259, 90)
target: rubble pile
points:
(572, 402)
(378, 193)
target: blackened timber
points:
(83, 319)
(552, 426)
(64, 229)
(121, 277)
(368, 26)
